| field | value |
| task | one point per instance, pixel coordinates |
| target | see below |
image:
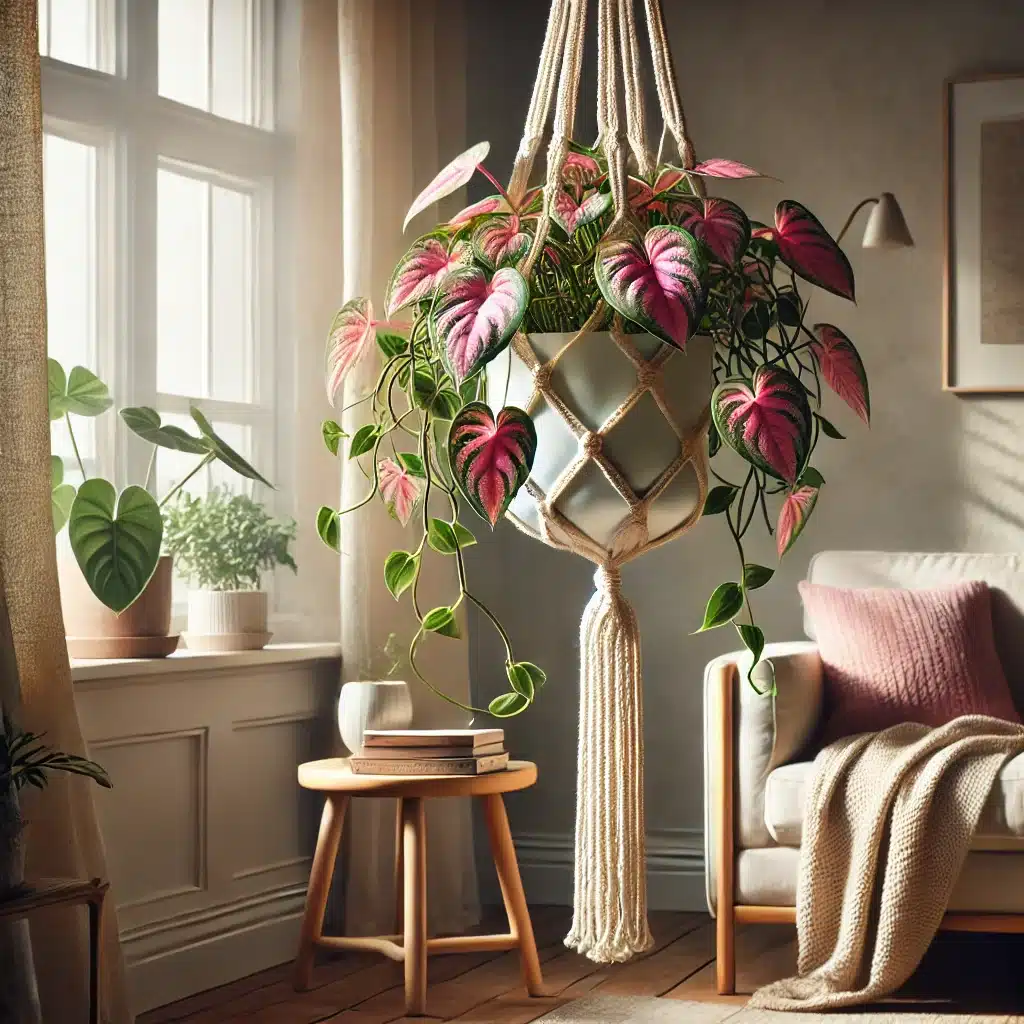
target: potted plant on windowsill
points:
(116, 591)
(224, 543)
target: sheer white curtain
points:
(401, 71)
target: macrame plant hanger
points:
(610, 913)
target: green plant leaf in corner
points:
(61, 494)
(332, 434)
(116, 540)
(442, 620)
(526, 678)
(363, 440)
(508, 705)
(224, 452)
(719, 499)
(80, 392)
(328, 528)
(412, 464)
(755, 576)
(146, 423)
(399, 572)
(723, 606)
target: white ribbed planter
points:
(227, 620)
(384, 704)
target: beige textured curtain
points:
(63, 832)
(384, 87)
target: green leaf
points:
(719, 499)
(363, 441)
(446, 404)
(116, 540)
(441, 620)
(755, 576)
(828, 428)
(723, 607)
(507, 705)
(61, 494)
(412, 464)
(332, 434)
(400, 571)
(56, 471)
(424, 388)
(753, 638)
(714, 441)
(810, 477)
(787, 308)
(146, 423)
(441, 537)
(391, 344)
(81, 392)
(224, 452)
(526, 678)
(756, 321)
(56, 386)
(469, 390)
(463, 536)
(328, 527)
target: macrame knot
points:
(646, 376)
(608, 579)
(591, 444)
(542, 377)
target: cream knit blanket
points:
(888, 822)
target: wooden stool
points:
(334, 778)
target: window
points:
(161, 169)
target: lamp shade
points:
(886, 227)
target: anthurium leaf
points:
(580, 170)
(719, 499)
(349, 340)
(400, 571)
(449, 180)
(420, 271)
(327, 526)
(842, 368)
(753, 639)
(809, 250)
(146, 423)
(224, 452)
(828, 428)
(508, 705)
(755, 576)
(116, 540)
(332, 434)
(720, 224)
(525, 678)
(412, 464)
(767, 420)
(363, 440)
(657, 282)
(810, 477)
(491, 458)
(793, 516)
(475, 318)
(717, 167)
(441, 620)
(723, 606)
(491, 204)
(501, 241)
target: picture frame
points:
(983, 291)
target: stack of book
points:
(431, 752)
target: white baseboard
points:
(675, 869)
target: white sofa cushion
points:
(1001, 827)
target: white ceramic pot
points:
(380, 705)
(227, 620)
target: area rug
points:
(599, 1009)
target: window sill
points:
(184, 661)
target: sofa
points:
(758, 754)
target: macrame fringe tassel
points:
(610, 908)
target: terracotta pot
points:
(227, 620)
(140, 631)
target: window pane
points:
(184, 58)
(231, 321)
(77, 32)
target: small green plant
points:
(226, 541)
(25, 760)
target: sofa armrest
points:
(762, 732)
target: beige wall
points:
(840, 100)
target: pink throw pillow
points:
(894, 656)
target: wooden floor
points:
(962, 975)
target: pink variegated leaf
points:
(475, 318)
(492, 204)
(421, 269)
(570, 215)
(842, 368)
(352, 336)
(580, 170)
(793, 516)
(767, 421)
(449, 180)
(809, 250)
(657, 282)
(720, 168)
(720, 224)
(501, 241)
(491, 459)
(639, 193)
(668, 179)
(758, 284)
(399, 490)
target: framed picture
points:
(983, 344)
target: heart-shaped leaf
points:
(723, 606)
(491, 459)
(580, 170)
(525, 678)
(442, 620)
(721, 225)
(363, 440)
(717, 167)
(146, 423)
(328, 527)
(809, 250)
(81, 392)
(492, 204)
(475, 317)
(332, 434)
(391, 343)
(351, 337)
(719, 499)
(755, 576)
(399, 572)
(658, 283)
(412, 464)
(570, 215)
(828, 428)
(753, 639)
(398, 488)
(667, 180)
(448, 180)
(793, 516)
(842, 368)
(767, 421)
(501, 241)
(224, 452)
(61, 494)
(508, 705)
(116, 540)
(421, 269)
(447, 538)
